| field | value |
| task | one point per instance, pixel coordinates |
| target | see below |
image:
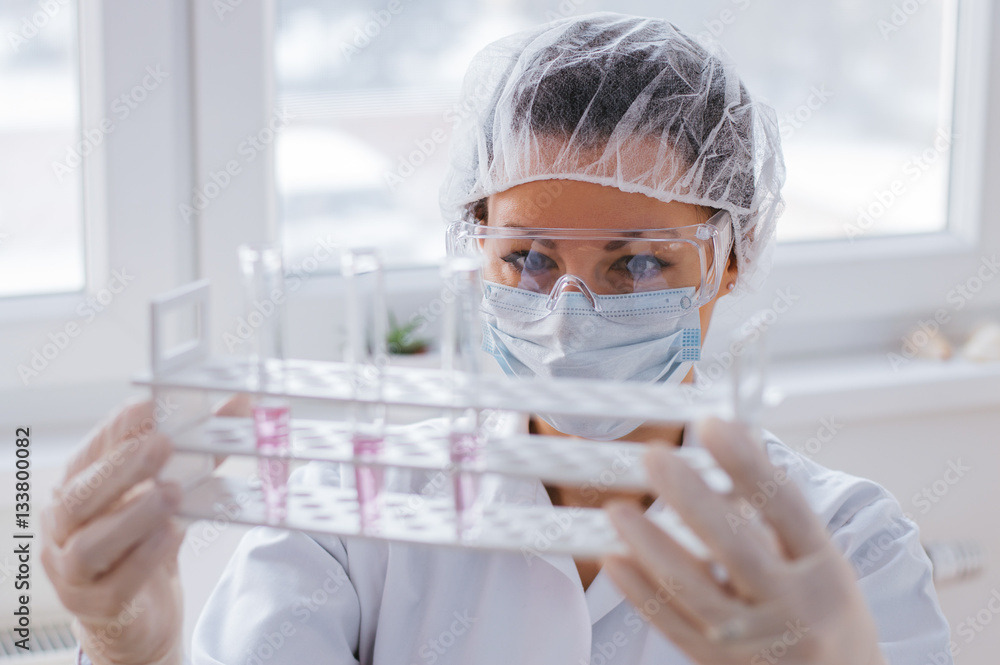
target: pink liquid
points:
(465, 450)
(271, 426)
(369, 481)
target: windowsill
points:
(871, 248)
(858, 388)
(54, 307)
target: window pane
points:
(863, 94)
(41, 219)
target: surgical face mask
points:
(652, 337)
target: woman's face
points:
(572, 204)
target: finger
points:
(98, 601)
(102, 483)
(160, 549)
(239, 406)
(752, 565)
(94, 549)
(765, 486)
(632, 582)
(662, 558)
(754, 625)
(113, 429)
(236, 406)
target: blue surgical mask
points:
(652, 337)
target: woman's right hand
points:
(110, 547)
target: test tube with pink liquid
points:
(367, 355)
(461, 366)
(264, 295)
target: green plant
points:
(400, 338)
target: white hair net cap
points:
(623, 101)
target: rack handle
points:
(165, 360)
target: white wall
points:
(909, 454)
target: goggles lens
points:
(607, 262)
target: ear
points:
(732, 272)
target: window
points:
(862, 88)
(41, 219)
(883, 103)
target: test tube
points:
(460, 363)
(750, 377)
(367, 355)
(264, 294)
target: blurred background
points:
(141, 143)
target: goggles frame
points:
(713, 238)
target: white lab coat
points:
(286, 597)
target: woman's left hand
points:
(790, 595)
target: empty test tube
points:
(367, 355)
(749, 378)
(264, 291)
(460, 363)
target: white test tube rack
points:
(187, 377)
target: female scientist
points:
(617, 179)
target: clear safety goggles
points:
(600, 262)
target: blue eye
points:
(642, 264)
(529, 261)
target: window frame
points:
(130, 185)
(182, 135)
(916, 272)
